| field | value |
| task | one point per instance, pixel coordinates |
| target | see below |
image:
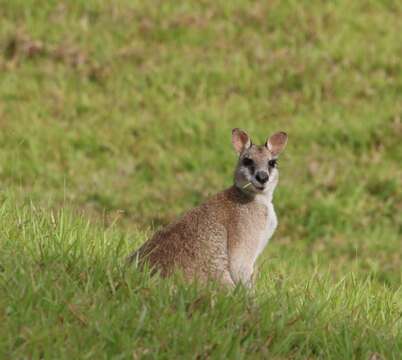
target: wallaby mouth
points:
(258, 187)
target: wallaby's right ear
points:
(240, 140)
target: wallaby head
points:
(256, 171)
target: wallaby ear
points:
(240, 140)
(277, 142)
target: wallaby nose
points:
(261, 177)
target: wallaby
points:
(222, 238)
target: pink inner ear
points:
(277, 142)
(240, 140)
(244, 138)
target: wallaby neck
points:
(247, 196)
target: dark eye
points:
(272, 163)
(248, 162)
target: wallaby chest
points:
(257, 222)
(268, 224)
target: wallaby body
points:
(222, 238)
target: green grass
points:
(115, 118)
(66, 294)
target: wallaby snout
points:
(262, 177)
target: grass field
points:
(115, 117)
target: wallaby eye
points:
(272, 163)
(248, 162)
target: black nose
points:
(261, 177)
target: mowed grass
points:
(116, 117)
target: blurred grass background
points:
(122, 111)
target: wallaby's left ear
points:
(277, 142)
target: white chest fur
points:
(243, 256)
(270, 225)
